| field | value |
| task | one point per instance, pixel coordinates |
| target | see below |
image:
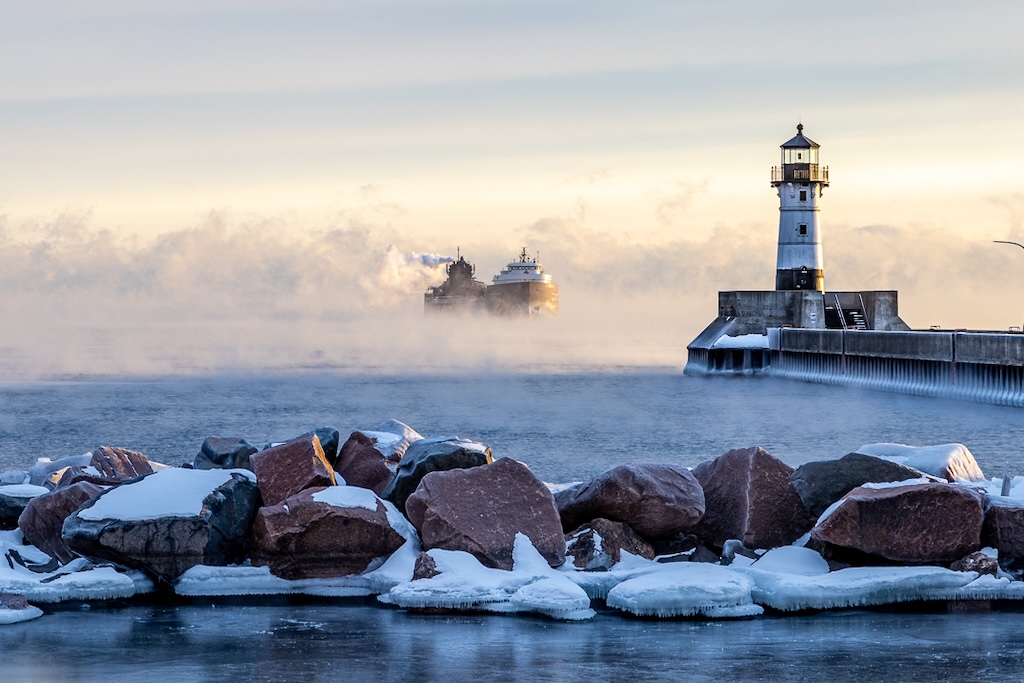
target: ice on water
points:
(463, 582)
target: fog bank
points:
(227, 295)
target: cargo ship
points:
(521, 289)
(853, 338)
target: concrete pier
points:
(985, 367)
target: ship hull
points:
(526, 299)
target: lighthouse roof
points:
(800, 140)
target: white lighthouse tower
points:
(799, 181)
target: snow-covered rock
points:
(168, 521)
(950, 461)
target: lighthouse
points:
(799, 181)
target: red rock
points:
(120, 463)
(749, 497)
(43, 518)
(306, 538)
(15, 601)
(108, 466)
(654, 500)
(361, 464)
(977, 562)
(284, 470)
(481, 509)
(919, 524)
(599, 543)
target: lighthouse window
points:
(803, 228)
(803, 195)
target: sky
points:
(248, 185)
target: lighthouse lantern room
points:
(799, 182)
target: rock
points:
(1004, 530)
(327, 532)
(13, 500)
(40, 473)
(599, 543)
(330, 440)
(394, 449)
(823, 482)
(916, 524)
(977, 562)
(749, 496)
(950, 461)
(481, 509)
(120, 463)
(654, 500)
(285, 469)
(425, 567)
(168, 522)
(13, 477)
(227, 452)
(108, 466)
(44, 516)
(361, 464)
(14, 601)
(433, 455)
(675, 544)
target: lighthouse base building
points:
(800, 331)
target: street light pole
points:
(1006, 242)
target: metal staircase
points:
(839, 318)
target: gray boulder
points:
(330, 442)
(227, 452)
(14, 498)
(433, 455)
(41, 473)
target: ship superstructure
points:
(522, 288)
